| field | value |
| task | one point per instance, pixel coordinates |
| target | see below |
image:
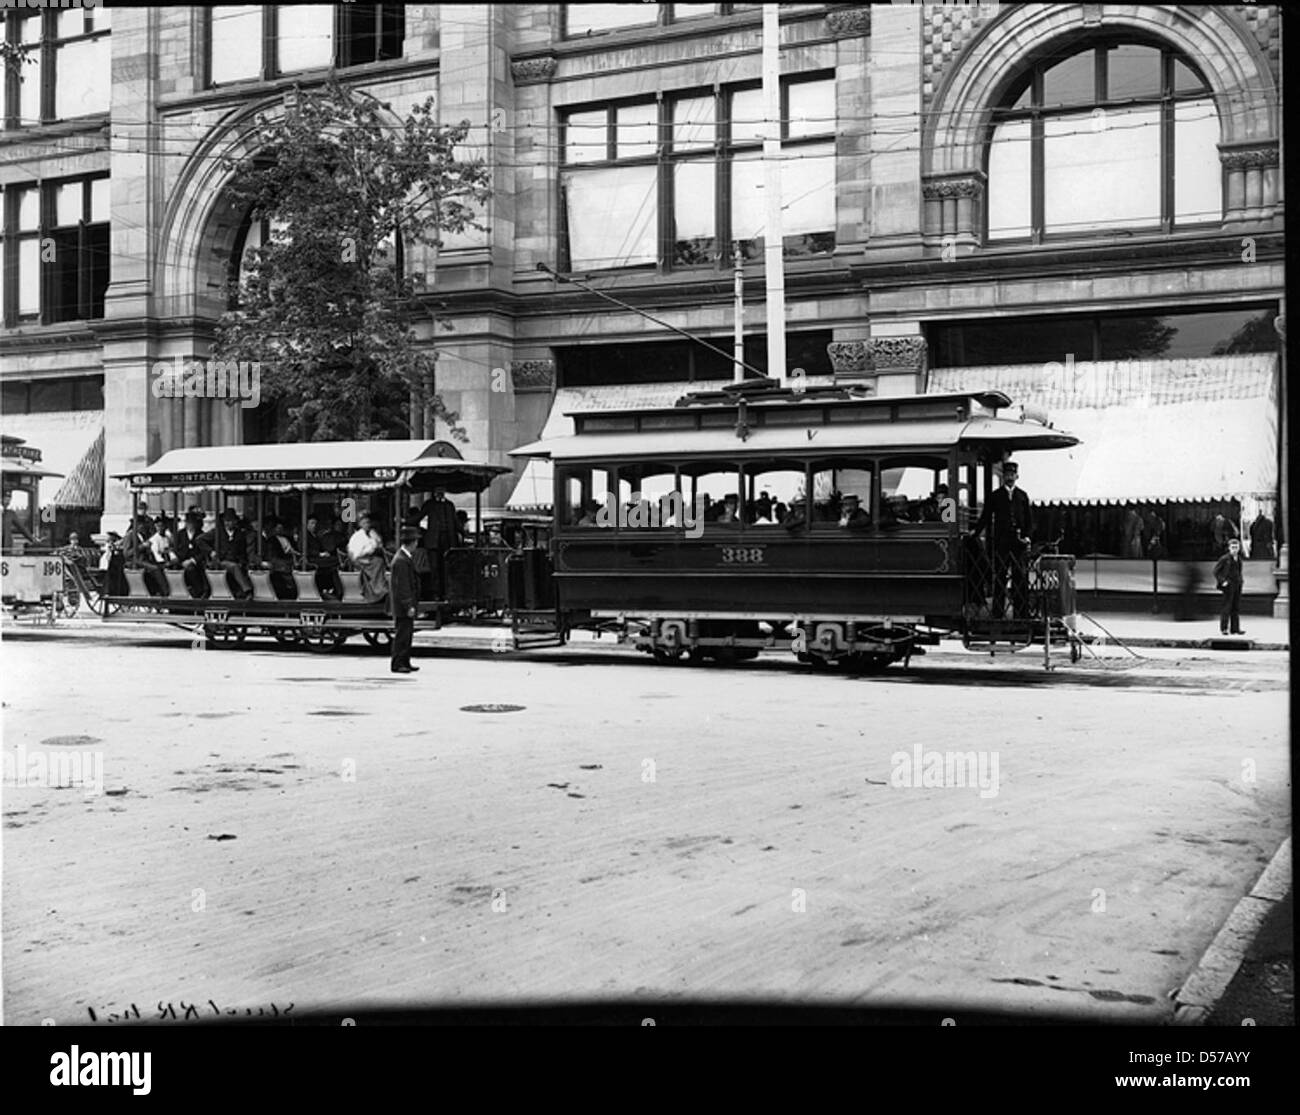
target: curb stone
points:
(1196, 999)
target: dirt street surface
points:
(287, 828)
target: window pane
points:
(81, 78)
(63, 278)
(304, 37)
(637, 131)
(1186, 80)
(586, 137)
(693, 122)
(101, 19)
(1102, 171)
(812, 108)
(747, 115)
(29, 276)
(236, 43)
(29, 212)
(1009, 181)
(1133, 71)
(772, 490)
(808, 190)
(1198, 180)
(99, 199)
(1071, 82)
(832, 482)
(748, 214)
(68, 203)
(582, 19)
(613, 217)
(72, 22)
(694, 230)
(29, 91)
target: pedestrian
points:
(404, 598)
(1008, 517)
(1261, 538)
(1131, 533)
(1221, 529)
(1153, 534)
(1228, 577)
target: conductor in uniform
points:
(1009, 521)
(442, 532)
(404, 598)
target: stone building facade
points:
(955, 175)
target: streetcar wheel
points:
(665, 656)
(871, 663)
(285, 636)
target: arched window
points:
(1116, 135)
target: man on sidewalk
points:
(404, 598)
(1228, 578)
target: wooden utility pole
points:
(738, 345)
(773, 238)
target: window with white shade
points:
(672, 182)
(1116, 136)
(65, 69)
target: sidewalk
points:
(1138, 629)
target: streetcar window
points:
(583, 492)
(707, 485)
(773, 490)
(649, 496)
(915, 488)
(835, 479)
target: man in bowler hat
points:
(404, 597)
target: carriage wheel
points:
(324, 640)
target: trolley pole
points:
(738, 345)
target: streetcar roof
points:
(315, 465)
(802, 440)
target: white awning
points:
(1150, 430)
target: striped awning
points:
(1149, 430)
(84, 487)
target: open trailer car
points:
(31, 575)
(725, 524)
(294, 482)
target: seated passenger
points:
(192, 553)
(728, 511)
(366, 552)
(889, 514)
(932, 508)
(793, 517)
(234, 549)
(759, 514)
(279, 560)
(852, 517)
(327, 559)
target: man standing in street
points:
(1009, 521)
(441, 533)
(404, 598)
(1228, 577)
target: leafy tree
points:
(323, 309)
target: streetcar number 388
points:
(741, 555)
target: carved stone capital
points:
(1245, 158)
(966, 185)
(897, 354)
(845, 22)
(532, 375)
(848, 357)
(530, 71)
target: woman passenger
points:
(366, 552)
